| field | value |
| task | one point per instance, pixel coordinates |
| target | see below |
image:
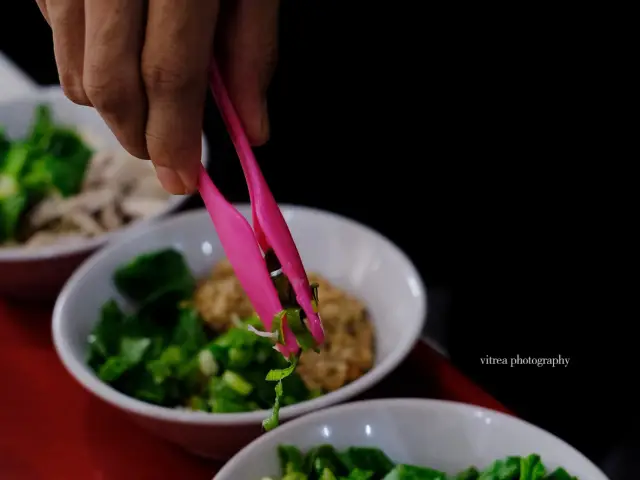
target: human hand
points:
(144, 67)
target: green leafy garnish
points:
(273, 420)
(470, 473)
(4, 146)
(560, 474)
(531, 468)
(50, 160)
(282, 373)
(504, 469)
(104, 341)
(150, 276)
(11, 209)
(236, 383)
(160, 351)
(305, 341)
(13, 196)
(278, 375)
(291, 459)
(303, 335)
(324, 462)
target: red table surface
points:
(51, 428)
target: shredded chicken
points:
(118, 189)
(348, 352)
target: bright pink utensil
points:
(245, 246)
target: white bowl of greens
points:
(125, 327)
(406, 439)
(66, 187)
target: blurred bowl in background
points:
(38, 272)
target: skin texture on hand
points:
(143, 64)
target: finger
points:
(175, 63)
(248, 52)
(111, 76)
(42, 5)
(66, 18)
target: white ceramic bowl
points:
(41, 272)
(447, 436)
(347, 253)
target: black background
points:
(466, 137)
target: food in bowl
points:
(55, 186)
(198, 346)
(436, 435)
(324, 462)
(348, 351)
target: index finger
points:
(175, 62)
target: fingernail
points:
(170, 180)
(189, 179)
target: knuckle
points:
(165, 80)
(117, 96)
(108, 93)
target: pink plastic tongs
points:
(244, 247)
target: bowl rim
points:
(81, 372)
(21, 253)
(446, 406)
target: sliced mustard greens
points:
(160, 350)
(305, 341)
(324, 462)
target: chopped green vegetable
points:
(51, 160)
(358, 474)
(411, 472)
(189, 332)
(324, 462)
(504, 469)
(11, 209)
(104, 340)
(305, 341)
(531, 468)
(4, 146)
(42, 127)
(324, 457)
(129, 355)
(560, 474)
(60, 166)
(278, 375)
(282, 373)
(15, 161)
(113, 369)
(273, 420)
(132, 349)
(277, 327)
(166, 364)
(163, 352)
(291, 459)
(371, 459)
(237, 383)
(152, 275)
(327, 475)
(13, 197)
(239, 357)
(295, 476)
(198, 403)
(470, 473)
(303, 335)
